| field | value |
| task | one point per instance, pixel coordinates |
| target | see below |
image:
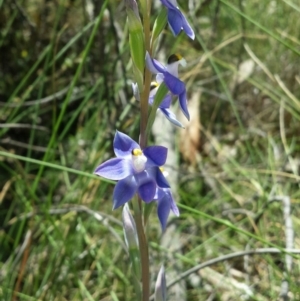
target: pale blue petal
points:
(167, 4)
(157, 155)
(163, 211)
(173, 205)
(115, 169)
(183, 104)
(159, 194)
(160, 179)
(187, 28)
(174, 208)
(151, 99)
(166, 103)
(175, 85)
(124, 191)
(147, 191)
(165, 203)
(171, 117)
(175, 20)
(160, 78)
(153, 65)
(123, 145)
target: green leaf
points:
(159, 96)
(138, 77)
(159, 24)
(137, 48)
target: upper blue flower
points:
(164, 107)
(136, 170)
(169, 75)
(165, 203)
(176, 19)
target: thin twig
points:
(289, 242)
(26, 245)
(24, 14)
(18, 252)
(284, 140)
(25, 145)
(23, 126)
(47, 99)
(100, 216)
(290, 95)
(227, 257)
(259, 62)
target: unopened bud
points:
(129, 228)
(136, 41)
(160, 286)
(132, 5)
(136, 91)
(131, 240)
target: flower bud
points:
(160, 286)
(132, 5)
(136, 91)
(131, 240)
(136, 41)
(129, 228)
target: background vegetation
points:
(66, 86)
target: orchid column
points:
(138, 168)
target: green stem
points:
(147, 81)
(144, 109)
(143, 245)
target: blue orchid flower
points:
(136, 170)
(177, 20)
(164, 107)
(165, 203)
(169, 75)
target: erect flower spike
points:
(160, 286)
(136, 170)
(169, 75)
(177, 20)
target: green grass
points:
(59, 238)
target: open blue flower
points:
(169, 75)
(136, 170)
(176, 19)
(164, 107)
(165, 203)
